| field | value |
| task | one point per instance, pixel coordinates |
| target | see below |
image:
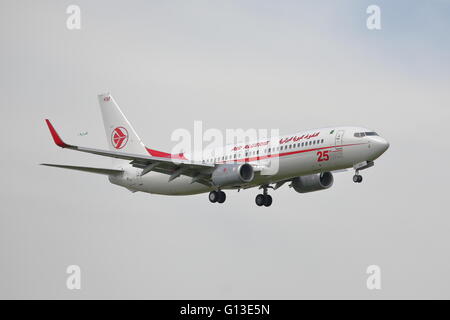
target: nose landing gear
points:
(263, 199)
(357, 178)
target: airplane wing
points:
(174, 167)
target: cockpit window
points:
(363, 134)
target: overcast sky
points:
(232, 64)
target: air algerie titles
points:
(282, 141)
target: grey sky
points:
(231, 64)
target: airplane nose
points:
(384, 145)
(381, 145)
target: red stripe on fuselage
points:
(160, 154)
(287, 153)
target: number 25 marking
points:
(323, 156)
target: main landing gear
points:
(217, 196)
(357, 178)
(263, 199)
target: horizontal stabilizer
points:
(85, 169)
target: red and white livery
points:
(305, 160)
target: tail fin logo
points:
(119, 137)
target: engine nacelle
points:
(233, 174)
(313, 182)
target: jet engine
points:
(313, 182)
(233, 174)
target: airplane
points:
(306, 160)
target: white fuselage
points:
(299, 154)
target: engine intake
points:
(232, 174)
(313, 182)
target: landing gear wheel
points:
(260, 200)
(357, 178)
(267, 200)
(213, 196)
(222, 197)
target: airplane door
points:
(339, 140)
(138, 178)
(133, 177)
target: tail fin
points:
(119, 132)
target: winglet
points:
(58, 141)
